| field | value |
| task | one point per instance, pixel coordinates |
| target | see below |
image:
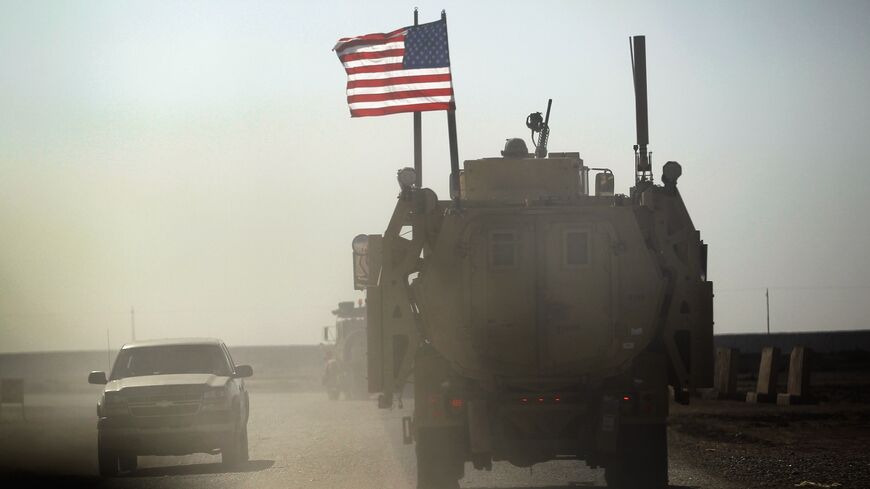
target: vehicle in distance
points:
(346, 344)
(172, 397)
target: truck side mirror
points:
(604, 184)
(97, 378)
(243, 371)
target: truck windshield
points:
(173, 359)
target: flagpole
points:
(418, 137)
(451, 134)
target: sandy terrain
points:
(296, 440)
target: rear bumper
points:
(530, 430)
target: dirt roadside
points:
(773, 446)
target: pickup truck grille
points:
(165, 408)
(166, 404)
(174, 398)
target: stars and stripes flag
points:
(407, 70)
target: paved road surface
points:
(296, 440)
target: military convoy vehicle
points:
(346, 342)
(540, 321)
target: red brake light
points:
(457, 403)
(524, 400)
(626, 397)
(556, 398)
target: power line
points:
(796, 287)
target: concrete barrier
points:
(725, 380)
(799, 369)
(768, 371)
(12, 392)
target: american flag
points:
(407, 70)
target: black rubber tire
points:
(234, 453)
(644, 460)
(243, 446)
(440, 464)
(107, 459)
(128, 462)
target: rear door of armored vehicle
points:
(575, 287)
(502, 293)
(556, 261)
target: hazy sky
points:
(197, 160)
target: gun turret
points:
(540, 125)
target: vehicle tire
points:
(243, 446)
(128, 462)
(107, 459)
(234, 453)
(440, 464)
(644, 459)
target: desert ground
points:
(298, 438)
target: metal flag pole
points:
(418, 138)
(451, 134)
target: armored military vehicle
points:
(347, 343)
(540, 321)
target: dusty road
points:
(296, 440)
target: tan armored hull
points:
(549, 291)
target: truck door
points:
(576, 295)
(502, 291)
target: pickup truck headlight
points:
(215, 398)
(114, 404)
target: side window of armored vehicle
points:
(575, 250)
(503, 249)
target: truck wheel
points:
(643, 463)
(235, 452)
(107, 459)
(439, 461)
(243, 445)
(128, 462)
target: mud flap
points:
(407, 430)
(608, 428)
(478, 428)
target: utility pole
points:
(132, 323)
(767, 298)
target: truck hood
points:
(200, 380)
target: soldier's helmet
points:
(515, 148)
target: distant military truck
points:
(345, 371)
(541, 321)
(172, 397)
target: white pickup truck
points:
(172, 397)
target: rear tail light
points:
(549, 399)
(456, 405)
